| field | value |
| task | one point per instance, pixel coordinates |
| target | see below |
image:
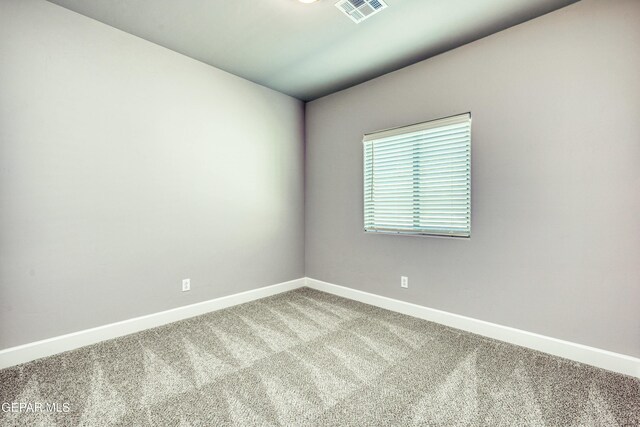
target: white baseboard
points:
(577, 352)
(580, 353)
(36, 350)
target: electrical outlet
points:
(186, 285)
(404, 281)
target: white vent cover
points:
(359, 10)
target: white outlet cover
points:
(404, 281)
(186, 285)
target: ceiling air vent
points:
(359, 10)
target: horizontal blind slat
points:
(427, 158)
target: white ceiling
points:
(310, 50)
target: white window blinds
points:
(417, 179)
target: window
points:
(417, 179)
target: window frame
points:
(407, 129)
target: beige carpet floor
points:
(309, 358)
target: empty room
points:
(320, 213)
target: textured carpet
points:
(309, 358)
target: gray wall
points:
(124, 168)
(556, 179)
